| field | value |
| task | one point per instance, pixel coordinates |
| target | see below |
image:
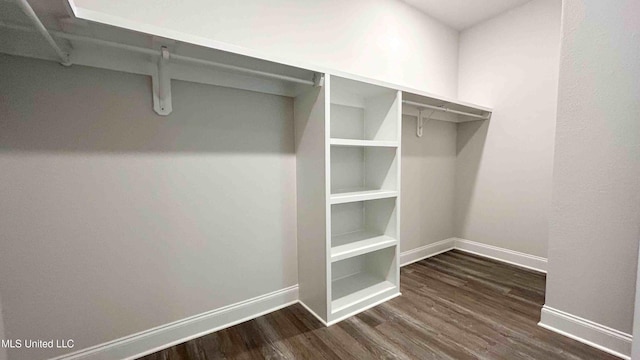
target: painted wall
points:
(595, 217)
(381, 39)
(428, 183)
(504, 167)
(124, 220)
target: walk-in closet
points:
(336, 179)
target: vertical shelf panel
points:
(310, 125)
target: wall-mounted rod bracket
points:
(419, 123)
(161, 83)
(318, 80)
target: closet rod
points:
(442, 108)
(28, 10)
(147, 51)
(241, 69)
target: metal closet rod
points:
(442, 108)
(152, 52)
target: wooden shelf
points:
(361, 195)
(365, 143)
(351, 290)
(358, 243)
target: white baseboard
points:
(165, 336)
(313, 313)
(588, 332)
(427, 251)
(516, 258)
(527, 261)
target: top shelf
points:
(263, 60)
(444, 110)
(120, 17)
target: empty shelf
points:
(358, 243)
(361, 195)
(370, 143)
(353, 289)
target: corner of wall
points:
(3, 351)
(609, 340)
(523, 94)
(457, 74)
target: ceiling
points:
(462, 14)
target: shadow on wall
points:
(428, 182)
(430, 144)
(470, 142)
(111, 112)
(129, 220)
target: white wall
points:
(595, 217)
(504, 167)
(381, 39)
(115, 220)
(428, 183)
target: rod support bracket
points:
(318, 80)
(161, 84)
(419, 123)
(66, 60)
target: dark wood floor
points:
(453, 306)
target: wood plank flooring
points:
(453, 306)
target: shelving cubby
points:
(361, 227)
(362, 280)
(358, 171)
(364, 112)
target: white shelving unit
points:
(349, 262)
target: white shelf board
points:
(351, 290)
(110, 16)
(367, 143)
(358, 243)
(354, 195)
(410, 109)
(432, 99)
